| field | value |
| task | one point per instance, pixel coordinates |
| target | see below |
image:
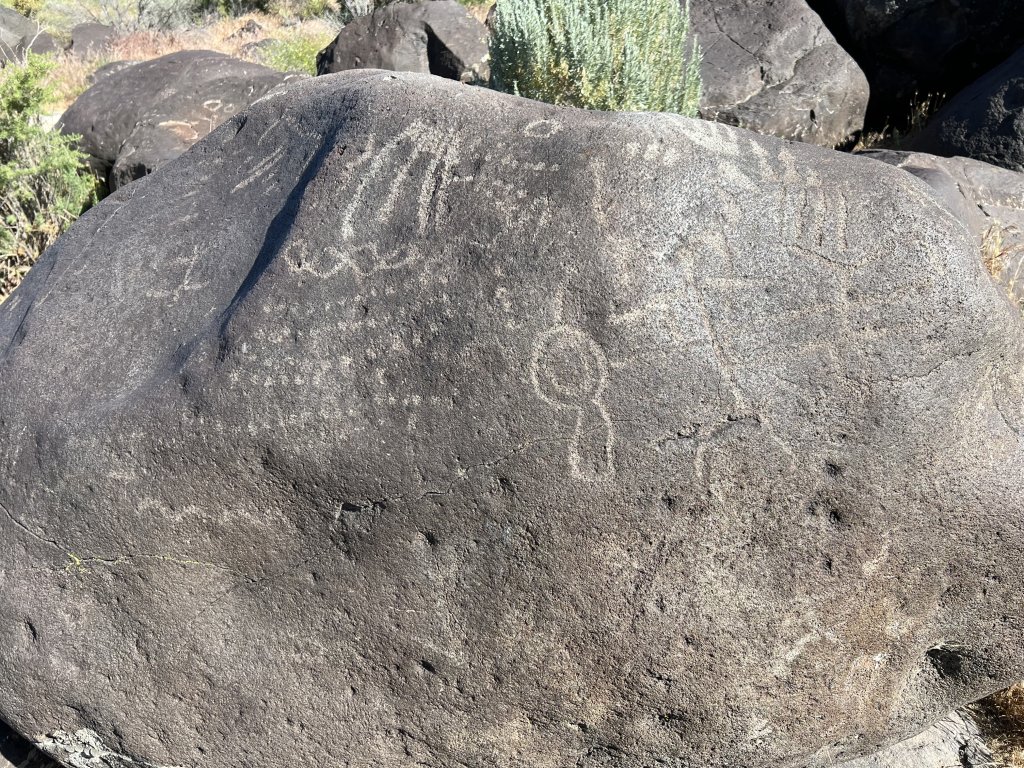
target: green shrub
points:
(44, 182)
(295, 53)
(28, 8)
(621, 55)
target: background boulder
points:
(18, 33)
(438, 37)
(405, 423)
(135, 119)
(91, 39)
(985, 121)
(912, 48)
(774, 68)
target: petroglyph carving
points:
(570, 371)
(542, 129)
(814, 220)
(384, 234)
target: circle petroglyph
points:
(570, 372)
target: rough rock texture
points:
(438, 37)
(989, 200)
(136, 119)
(91, 39)
(18, 33)
(954, 742)
(909, 47)
(772, 66)
(985, 121)
(406, 423)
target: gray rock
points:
(438, 37)
(987, 199)
(18, 34)
(772, 66)
(109, 69)
(908, 47)
(985, 121)
(403, 423)
(136, 119)
(91, 39)
(954, 742)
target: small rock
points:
(91, 39)
(438, 37)
(250, 28)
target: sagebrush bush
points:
(620, 55)
(294, 53)
(44, 182)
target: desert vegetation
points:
(44, 181)
(631, 55)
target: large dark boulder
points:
(910, 49)
(985, 121)
(438, 37)
(135, 119)
(404, 423)
(19, 33)
(989, 200)
(772, 66)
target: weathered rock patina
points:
(136, 118)
(774, 68)
(401, 422)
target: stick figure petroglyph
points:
(570, 371)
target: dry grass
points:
(892, 137)
(1001, 720)
(72, 74)
(997, 249)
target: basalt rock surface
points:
(439, 37)
(137, 118)
(403, 423)
(989, 200)
(774, 68)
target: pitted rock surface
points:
(772, 66)
(989, 200)
(439, 37)
(401, 422)
(135, 119)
